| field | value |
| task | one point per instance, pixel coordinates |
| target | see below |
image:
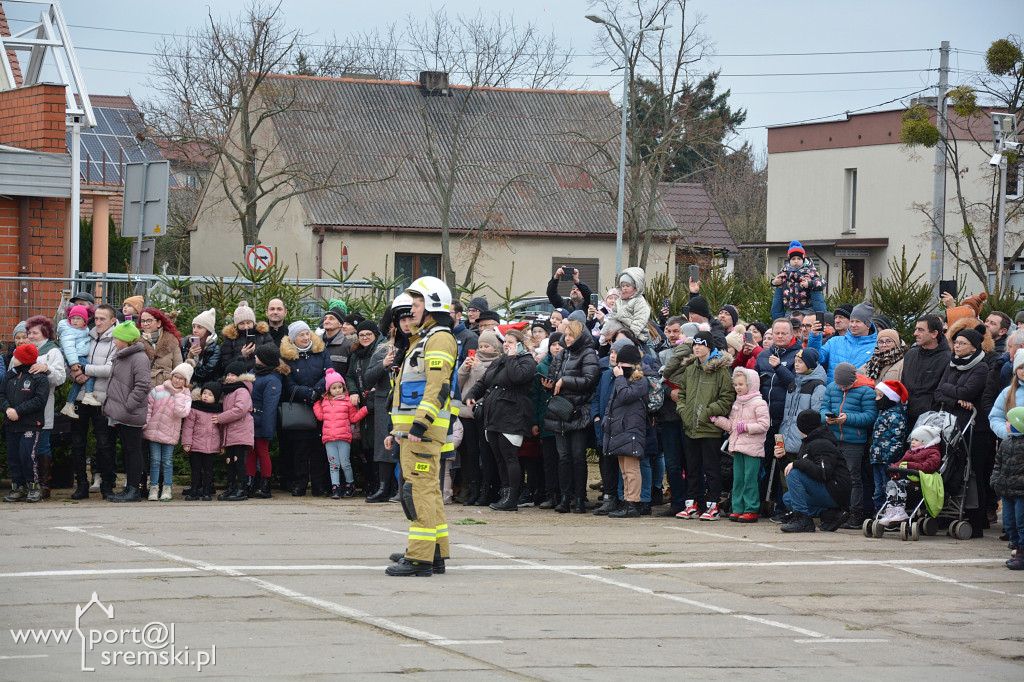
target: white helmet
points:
(437, 297)
(403, 300)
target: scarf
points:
(488, 355)
(881, 359)
(964, 364)
(262, 370)
(214, 408)
(152, 337)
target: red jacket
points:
(338, 415)
(925, 459)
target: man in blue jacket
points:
(855, 347)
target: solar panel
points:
(114, 138)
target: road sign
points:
(153, 179)
(259, 257)
(344, 259)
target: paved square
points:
(295, 587)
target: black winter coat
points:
(821, 459)
(27, 394)
(1008, 471)
(305, 383)
(567, 303)
(232, 341)
(922, 370)
(207, 363)
(339, 347)
(577, 366)
(962, 384)
(625, 418)
(509, 404)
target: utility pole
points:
(939, 186)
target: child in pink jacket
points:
(338, 414)
(238, 429)
(747, 424)
(169, 404)
(202, 440)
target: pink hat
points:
(79, 311)
(332, 378)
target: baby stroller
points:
(955, 472)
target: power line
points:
(841, 113)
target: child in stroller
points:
(923, 456)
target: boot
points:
(81, 491)
(657, 496)
(335, 492)
(508, 502)
(299, 491)
(469, 493)
(410, 567)
(610, 505)
(193, 494)
(106, 490)
(438, 565)
(237, 495)
(629, 510)
(563, 505)
(129, 494)
(250, 486)
(799, 524)
(35, 493)
(381, 495)
(226, 494)
(579, 505)
(854, 522)
(645, 508)
(19, 493)
(549, 501)
(263, 492)
(484, 498)
(350, 490)
(69, 411)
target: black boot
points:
(438, 565)
(470, 494)
(799, 524)
(410, 567)
(299, 491)
(381, 495)
(549, 502)
(81, 491)
(563, 505)
(106, 490)
(629, 510)
(579, 505)
(237, 495)
(127, 495)
(264, 489)
(509, 500)
(484, 498)
(657, 496)
(644, 508)
(250, 486)
(610, 505)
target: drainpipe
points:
(821, 259)
(320, 252)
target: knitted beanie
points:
(620, 344)
(26, 354)
(236, 367)
(296, 328)
(331, 378)
(807, 421)
(269, 355)
(78, 311)
(243, 313)
(185, 370)
(733, 313)
(810, 358)
(863, 312)
(795, 249)
(127, 332)
(929, 435)
(630, 355)
(845, 374)
(207, 320)
(136, 302)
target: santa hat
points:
(894, 391)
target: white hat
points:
(185, 370)
(207, 320)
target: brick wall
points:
(45, 257)
(33, 118)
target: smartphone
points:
(947, 286)
(250, 333)
(665, 304)
(695, 273)
(685, 310)
(471, 353)
(748, 337)
(194, 342)
(832, 416)
(568, 273)
(778, 439)
(821, 318)
(594, 300)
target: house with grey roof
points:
(528, 186)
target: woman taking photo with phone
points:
(201, 349)
(242, 337)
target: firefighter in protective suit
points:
(421, 414)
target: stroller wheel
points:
(964, 530)
(904, 531)
(877, 529)
(866, 527)
(915, 531)
(929, 526)
(951, 529)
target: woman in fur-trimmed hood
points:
(237, 337)
(307, 356)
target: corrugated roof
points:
(696, 216)
(368, 127)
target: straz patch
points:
(423, 466)
(435, 363)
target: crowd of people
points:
(697, 411)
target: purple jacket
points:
(236, 419)
(167, 408)
(199, 432)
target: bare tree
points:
(217, 97)
(738, 187)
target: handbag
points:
(294, 416)
(560, 408)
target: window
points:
(410, 266)
(850, 201)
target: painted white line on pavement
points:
(11, 658)
(953, 581)
(332, 607)
(98, 571)
(777, 624)
(730, 537)
(834, 640)
(381, 528)
(840, 562)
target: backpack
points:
(655, 393)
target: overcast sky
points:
(743, 33)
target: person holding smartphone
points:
(201, 349)
(579, 295)
(242, 337)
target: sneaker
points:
(799, 524)
(690, 512)
(734, 516)
(711, 514)
(350, 490)
(18, 494)
(154, 493)
(833, 519)
(749, 517)
(888, 516)
(335, 492)
(69, 411)
(90, 399)
(35, 493)
(899, 515)
(525, 500)
(97, 481)
(1016, 563)
(165, 495)
(782, 517)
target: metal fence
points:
(47, 296)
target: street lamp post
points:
(625, 46)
